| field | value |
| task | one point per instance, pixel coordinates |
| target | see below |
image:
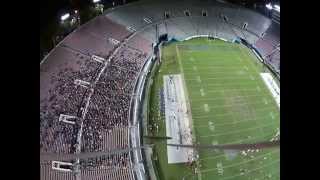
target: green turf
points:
(224, 77)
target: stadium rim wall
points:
(138, 114)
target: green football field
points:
(229, 104)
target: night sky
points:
(49, 9)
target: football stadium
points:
(164, 90)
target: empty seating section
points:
(184, 27)
(146, 35)
(174, 31)
(111, 173)
(127, 17)
(47, 173)
(105, 27)
(269, 47)
(142, 44)
(89, 43)
(264, 47)
(272, 35)
(270, 40)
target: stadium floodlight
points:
(269, 6)
(277, 8)
(65, 16)
(96, 1)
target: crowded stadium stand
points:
(87, 81)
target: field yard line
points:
(232, 84)
(235, 132)
(235, 122)
(210, 99)
(232, 114)
(214, 67)
(224, 114)
(221, 78)
(252, 170)
(244, 89)
(188, 103)
(217, 72)
(228, 105)
(214, 74)
(243, 162)
(196, 44)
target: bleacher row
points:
(47, 173)
(103, 174)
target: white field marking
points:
(194, 68)
(188, 108)
(236, 97)
(252, 170)
(226, 84)
(271, 115)
(232, 142)
(264, 110)
(272, 86)
(227, 90)
(240, 72)
(230, 105)
(198, 79)
(265, 101)
(220, 45)
(202, 92)
(236, 122)
(220, 168)
(225, 114)
(241, 130)
(225, 58)
(258, 88)
(208, 67)
(211, 126)
(206, 108)
(242, 162)
(214, 142)
(233, 77)
(228, 114)
(214, 74)
(216, 68)
(256, 138)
